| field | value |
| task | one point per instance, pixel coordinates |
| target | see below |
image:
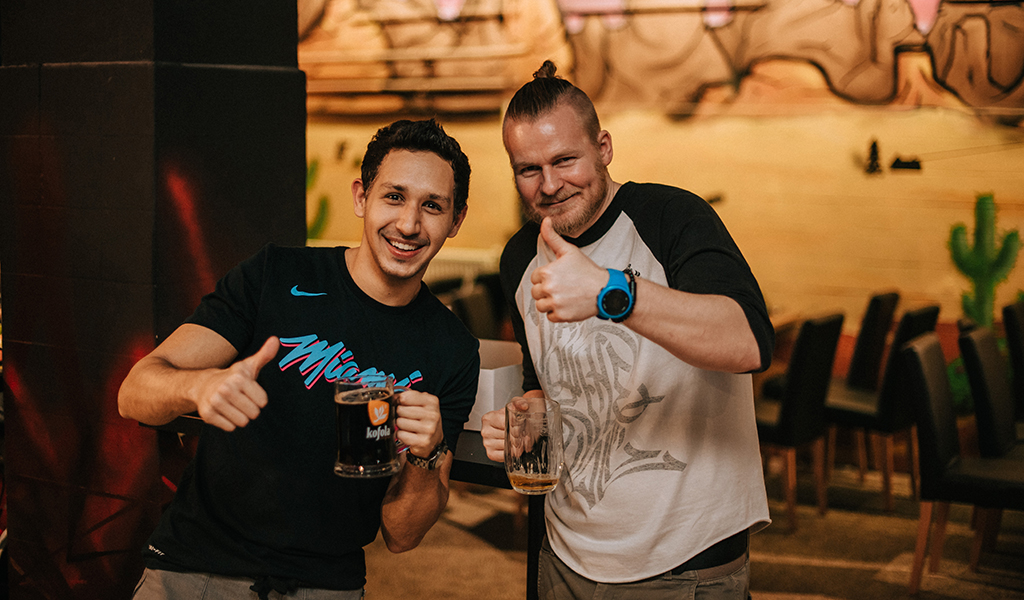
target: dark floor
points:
(855, 551)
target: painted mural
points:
(684, 57)
(840, 139)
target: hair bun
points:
(546, 70)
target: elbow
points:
(750, 361)
(123, 403)
(400, 545)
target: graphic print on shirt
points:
(318, 359)
(585, 366)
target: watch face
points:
(615, 302)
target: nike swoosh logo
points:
(296, 292)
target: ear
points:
(358, 198)
(458, 222)
(604, 146)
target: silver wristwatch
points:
(432, 461)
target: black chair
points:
(474, 309)
(796, 418)
(1013, 322)
(866, 361)
(993, 412)
(946, 476)
(990, 390)
(865, 364)
(887, 411)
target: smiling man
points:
(259, 509)
(638, 314)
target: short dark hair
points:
(547, 91)
(418, 136)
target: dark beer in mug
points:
(366, 429)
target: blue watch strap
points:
(616, 282)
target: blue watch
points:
(615, 301)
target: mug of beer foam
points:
(533, 444)
(366, 426)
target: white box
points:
(501, 379)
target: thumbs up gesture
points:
(230, 398)
(566, 289)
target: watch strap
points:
(430, 463)
(632, 295)
(617, 280)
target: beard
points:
(574, 218)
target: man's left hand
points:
(418, 419)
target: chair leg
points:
(992, 531)
(924, 523)
(791, 487)
(888, 466)
(820, 484)
(979, 535)
(984, 534)
(915, 464)
(876, 451)
(939, 538)
(833, 432)
(862, 453)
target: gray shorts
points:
(730, 581)
(170, 585)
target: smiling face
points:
(560, 171)
(407, 213)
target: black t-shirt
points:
(263, 500)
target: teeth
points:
(403, 246)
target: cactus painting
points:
(985, 264)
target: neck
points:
(388, 290)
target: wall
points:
(771, 108)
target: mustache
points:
(545, 199)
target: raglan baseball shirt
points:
(662, 458)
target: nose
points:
(408, 222)
(550, 182)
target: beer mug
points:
(366, 426)
(533, 444)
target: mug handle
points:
(401, 447)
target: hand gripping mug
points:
(533, 444)
(366, 426)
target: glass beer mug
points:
(533, 444)
(366, 426)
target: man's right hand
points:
(493, 433)
(230, 398)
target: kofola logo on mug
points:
(378, 411)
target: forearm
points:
(170, 380)
(156, 392)
(707, 331)
(413, 504)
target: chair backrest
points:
(474, 308)
(866, 362)
(990, 389)
(894, 409)
(802, 416)
(1013, 322)
(932, 399)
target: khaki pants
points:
(170, 585)
(730, 581)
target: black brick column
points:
(145, 148)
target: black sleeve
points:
(457, 401)
(232, 308)
(516, 256)
(698, 253)
(706, 260)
